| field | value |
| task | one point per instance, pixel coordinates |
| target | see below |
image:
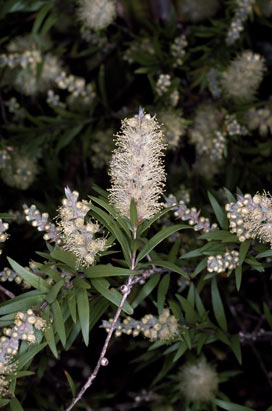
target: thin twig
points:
(7, 292)
(105, 346)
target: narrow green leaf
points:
(267, 314)
(230, 196)
(114, 229)
(167, 365)
(71, 300)
(162, 291)
(172, 256)
(223, 235)
(52, 295)
(267, 253)
(102, 286)
(50, 338)
(158, 238)
(83, 313)
(68, 136)
(146, 290)
(243, 251)
(236, 348)
(40, 17)
(218, 307)
(80, 283)
(100, 190)
(200, 266)
(97, 271)
(188, 308)
(97, 308)
(71, 383)
(146, 224)
(59, 322)
(133, 213)
(182, 348)
(29, 354)
(21, 304)
(15, 405)
(230, 406)
(238, 277)
(170, 266)
(220, 214)
(36, 281)
(65, 257)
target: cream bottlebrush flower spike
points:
(79, 237)
(136, 168)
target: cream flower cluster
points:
(136, 167)
(213, 83)
(189, 214)
(23, 53)
(221, 263)
(173, 127)
(97, 14)
(205, 134)
(9, 275)
(251, 217)
(178, 50)
(163, 84)
(164, 328)
(199, 381)
(244, 8)
(260, 119)
(42, 223)
(20, 171)
(243, 76)
(79, 237)
(24, 328)
(77, 88)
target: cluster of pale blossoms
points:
(233, 128)
(189, 214)
(9, 275)
(3, 235)
(221, 263)
(19, 170)
(173, 127)
(199, 381)
(205, 134)
(24, 58)
(178, 50)
(77, 87)
(42, 223)
(96, 14)
(24, 328)
(14, 108)
(251, 217)
(244, 8)
(163, 84)
(136, 167)
(260, 119)
(164, 327)
(213, 83)
(197, 10)
(242, 78)
(77, 236)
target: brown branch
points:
(7, 292)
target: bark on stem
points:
(126, 291)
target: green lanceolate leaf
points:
(146, 290)
(133, 213)
(158, 238)
(218, 307)
(71, 383)
(21, 304)
(52, 295)
(243, 251)
(162, 290)
(230, 406)
(30, 354)
(83, 313)
(97, 271)
(223, 235)
(170, 266)
(236, 347)
(102, 286)
(15, 405)
(65, 257)
(238, 277)
(220, 214)
(59, 322)
(50, 338)
(146, 224)
(71, 301)
(36, 281)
